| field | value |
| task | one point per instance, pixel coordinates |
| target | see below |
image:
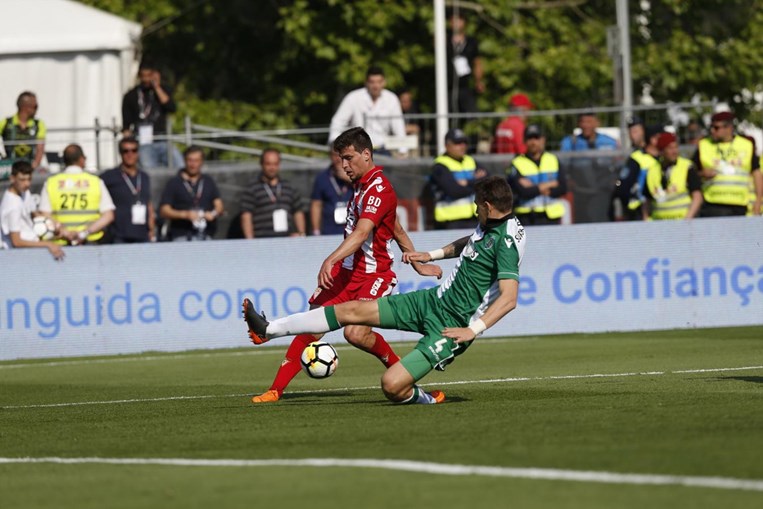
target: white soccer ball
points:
(44, 227)
(319, 360)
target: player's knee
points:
(392, 387)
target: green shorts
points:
(421, 312)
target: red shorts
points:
(350, 285)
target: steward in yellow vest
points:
(452, 184)
(537, 182)
(673, 187)
(628, 195)
(77, 199)
(729, 169)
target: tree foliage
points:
(284, 63)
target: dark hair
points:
(21, 167)
(374, 71)
(496, 191)
(586, 114)
(268, 150)
(192, 149)
(147, 65)
(26, 94)
(72, 154)
(128, 140)
(355, 137)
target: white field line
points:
(346, 389)
(549, 474)
(269, 350)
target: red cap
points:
(723, 116)
(665, 139)
(520, 100)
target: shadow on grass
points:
(752, 379)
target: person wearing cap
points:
(729, 168)
(452, 184)
(509, 135)
(628, 194)
(673, 188)
(538, 182)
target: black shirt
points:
(143, 107)
(126, 191)
(180, 194)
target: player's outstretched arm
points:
(452, 250)
(502, 306)
(405, 244)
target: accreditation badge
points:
(340, 212)
(280, 221)
(138, 213)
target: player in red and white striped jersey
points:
(361, 267)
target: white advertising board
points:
(172, 297)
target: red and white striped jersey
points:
(374, 199)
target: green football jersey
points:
(493, 253)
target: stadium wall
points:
(181, 296)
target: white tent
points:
(78, 60)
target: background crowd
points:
(721, 178)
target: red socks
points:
(290, 365)
(383, 351)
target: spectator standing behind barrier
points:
(589, 138)
(332, 191)
(191, 201)
(16, 210)
(510, 133)
(144, 115)
(272, 207)
(130, 188)
(537, 181)
(674, 189)
(628, 194)
(372, 107)
(452, 184)
(465, 67)
(24, 134)
(77, 199)
(729, 168)
(409, 106)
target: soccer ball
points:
(319, 360)
(44, 227)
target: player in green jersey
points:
(481, 290)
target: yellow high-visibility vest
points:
(671, 202)
(546, 171)
(75, 200)
(733, 161)
(644, 161)
(461, 208)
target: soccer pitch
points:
(650, 419)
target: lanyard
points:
(273, 197)
(338, 190)
(725, 154)
(133, 189)
(199, 190)
(144, 106)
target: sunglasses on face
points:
(717, 126)
(128, 151)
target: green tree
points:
(283, 63)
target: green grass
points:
(649, 419)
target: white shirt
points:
(16, 216)
(358, 109)
(106, 202)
